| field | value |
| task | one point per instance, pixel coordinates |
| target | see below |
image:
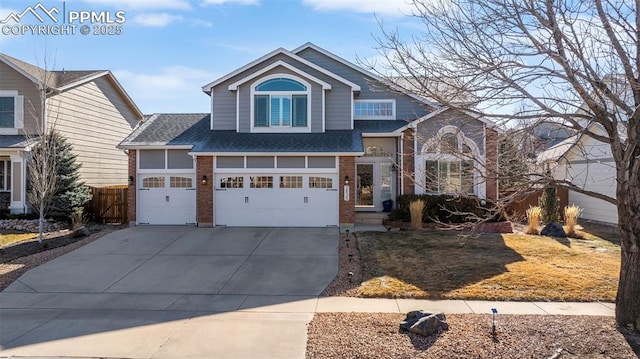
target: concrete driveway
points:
(173, 292)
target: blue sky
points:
(169, 49)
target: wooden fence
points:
(519, 207)
(108, 205)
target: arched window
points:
(448, 163)
(280, 102)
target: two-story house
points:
(89, 108)
(300, 138)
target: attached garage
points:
(166, 187)
(269, 191)
(597, 177)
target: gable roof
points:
(234, 86)
(280, 51)
(15, 141)
(433, 114)
(60, 81)
(392, 86)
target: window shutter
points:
(299, 111)
(19, 112)
(261, 111)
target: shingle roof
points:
(342, 141)
(55, 79)
(193, 129)
(15, 141)
(378, 126)
(169, 129)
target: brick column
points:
(131, 190)
(492, 164)
(204, 192)
(408, 162)
(347, 209)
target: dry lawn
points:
(8, 238)
(438, 265)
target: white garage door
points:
(166, 199)
(270, 200)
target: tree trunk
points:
(628, 298)
(41, 224)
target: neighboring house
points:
(301, 138)
(588, 164)
(89, 108)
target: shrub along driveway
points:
(437, 264)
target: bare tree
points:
(41, 165)
(576, 63)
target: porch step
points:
(371, 217)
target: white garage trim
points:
(166, 199)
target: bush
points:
(571, 214)
(549, 205)
(438, 208)
(533, 220)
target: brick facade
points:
(347, 209)
(492, 163)
(131, 190)
(204, 192)
(408, 163)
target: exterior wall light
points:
(131, 181)
(204, 179)
(346, 180)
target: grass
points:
(444, 265)
(7, 238)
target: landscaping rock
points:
(424, 323)
(553, 230)
(31, 225)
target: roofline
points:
(20, 70)
(154, 147)
(381, 134)
(234, 86)
(276, 153)
(440, 110)
(362, 71)
(207, 88)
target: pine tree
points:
(71, 193)
(550, 205)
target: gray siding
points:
(95, 118)
(337, 100)
(407, 108)
(469, 126)
(11, 80)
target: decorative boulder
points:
(553, 230)
(424, 323)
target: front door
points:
(375, 184)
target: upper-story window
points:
(374, 109)
(11, 109)
(280, 102)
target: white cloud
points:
(385, 7)
(221, 2)
(144, 4)
(155, 20)
(173, 89)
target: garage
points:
(166, 199)
(596, 177)
(269, 200)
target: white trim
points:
(401, 160)
(207, 88)
(238, 111)
(166, 171)
(275, 170)
(18, 112)
(234, 86)
(440, 110)
(279, 129)
(393, 109)
(211, 112)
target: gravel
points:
(11, 270)
(377, 335)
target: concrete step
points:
(371, 217)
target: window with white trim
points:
(290, 181)
(153, 182)
(5, 175)
(449, 164)
(232, 182)
(11, 109)
(261, 182)
(320, 182)
(180, 182)
(374, 109)
(280, 102)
